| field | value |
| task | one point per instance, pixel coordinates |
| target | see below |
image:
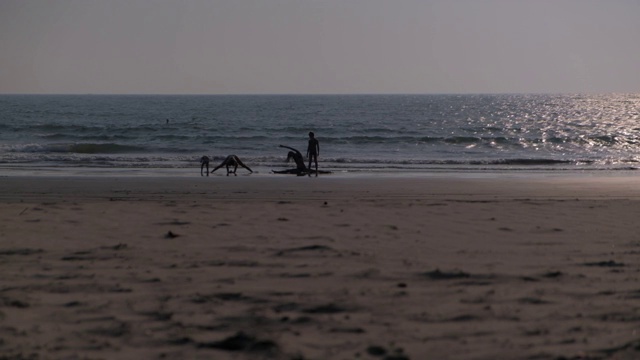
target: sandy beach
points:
(270, 267)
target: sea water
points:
(167, 134)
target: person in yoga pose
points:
(301, 169)
(297, 157)
(204, 162)
(232, 160)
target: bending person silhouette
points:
(301, 169)
(294, 154)
(297, 158)
(232, 160)
(204, 162)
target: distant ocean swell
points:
(107, 144)
(133, 156)
(356, 133)
(76, 148)
(253, 146)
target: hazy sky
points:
(319, 46)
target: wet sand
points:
(442, 267)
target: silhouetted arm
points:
(290, 148)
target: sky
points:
(319, 46)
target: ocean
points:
(167, 134)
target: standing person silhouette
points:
(313, 150)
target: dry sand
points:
(255, 267)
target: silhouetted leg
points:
(239, 162)
(218, 167)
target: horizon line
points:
(313, 94)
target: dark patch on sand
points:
(325, 309)
(319, 248)
(175, 222)
(242, 342)
(354, 330)
(631, 348)
(170, 235)
(20, 251)
(609, 263)
(533, 301)
(119, 246)
(14, 303)
(440, 275)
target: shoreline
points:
(337, 170)
(337, 186)
(284, 267)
